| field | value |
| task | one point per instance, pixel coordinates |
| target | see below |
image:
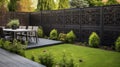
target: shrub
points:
(66, 63)
(117, 44)
(46, 59)
(94, 40)
(7, 45)
(53, 34)
(18, 48)
(33, 58)
(1, 42)
(40, 32)
(62, 37)
(70, 37)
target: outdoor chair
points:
(22, 27)
(23, 34)
(2, 27)
(30, 27)
(3, 35)
(33, 35)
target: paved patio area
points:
(8, 59)
(43, 42)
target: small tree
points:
(94, 40)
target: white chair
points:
(33, 35)
(22, 35)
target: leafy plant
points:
(53, 34)
(13, 22)
(40, 32)
(46, 59)
(66, 63)
(18, 47)
(94, 40)
(117, 44)
(33, 58)
(1, 42)
(7, 45)
(62, 37)
(70, 37)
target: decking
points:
(8, 59)
(43, 42)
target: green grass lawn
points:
(91, 57)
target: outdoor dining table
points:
(15, 31)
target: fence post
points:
(29, 18)
(101, 25)
(80, 31)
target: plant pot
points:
(14, 27)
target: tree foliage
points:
(46, 5)
(3, 5)
(101, 3)
(95, 2)
(64, 4)
(25, 6)
(112, 2)
(12, 6)
(79, 3)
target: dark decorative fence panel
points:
(103, 20)
(7, 16)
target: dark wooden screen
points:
(83, 21)
(103, 20)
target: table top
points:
(18, 30)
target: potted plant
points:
(14, 23)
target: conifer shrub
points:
(94, 40)
(53, 34)
(70, 37)
(117, 44)
(62, 37)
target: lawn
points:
(91, 57)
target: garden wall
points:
(103, 20)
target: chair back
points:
(22, 27)
(30, 27)
(35, 28)
(1, 32)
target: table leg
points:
(14, 35)
(36, 37)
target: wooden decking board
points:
(8, 59)
(43, 42)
